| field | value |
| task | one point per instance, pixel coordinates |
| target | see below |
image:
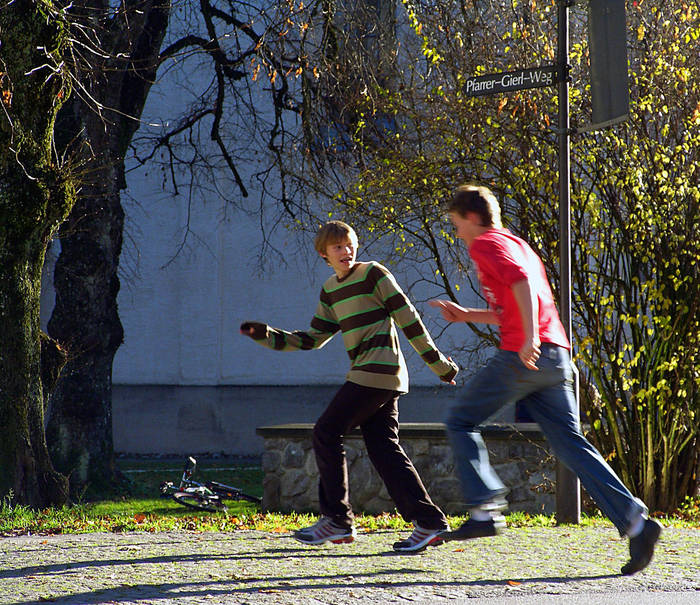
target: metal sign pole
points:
(568, 491)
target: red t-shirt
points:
(503, 259)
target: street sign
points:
(607, 41)
(534, 77)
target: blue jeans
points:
(548, 396)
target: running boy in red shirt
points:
(532, 367)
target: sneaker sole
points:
(338, 540)
(490, 532)
(434, 541)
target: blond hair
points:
(477, 199)
(331, 233)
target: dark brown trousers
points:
(376, 412)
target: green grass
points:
(142, 509)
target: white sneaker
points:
(420, 539)
(324, 530)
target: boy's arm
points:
(451, 311)
(323, 327)
(529, 309)
(407, 318)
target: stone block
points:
(542, 484)
(275, 443)
(310, 466)
(293, 483)
(377, 505)
(421, 463)
(511, 472)
(441, 467)
(364, 480)
(302, 502)
(445, 490)
(498, 452)
(453, 508)
(293, 456)
(542, 504)
(354, 448)
(418, 446)
(271, 460)
(271, 492)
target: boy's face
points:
(468, 227)
(340, 256)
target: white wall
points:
(181, 311)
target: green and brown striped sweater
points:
(366, 306)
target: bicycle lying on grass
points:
(208, 496)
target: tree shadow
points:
(36, 570)
(291, 584)
(391, 577)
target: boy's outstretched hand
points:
(450, 311)
(254, 329)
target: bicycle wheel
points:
(231, 493)
(194, 500)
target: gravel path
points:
(523, 565)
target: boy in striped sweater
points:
(364, 302)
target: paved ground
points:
(544, 566)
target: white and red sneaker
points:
(420, 539)
(324, 530)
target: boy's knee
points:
(324, 433)
(458, 420)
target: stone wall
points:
(518, 452)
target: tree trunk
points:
(26, 469)
(36, 194)
(85, 319)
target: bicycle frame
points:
(205, 496)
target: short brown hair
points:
(331, 233)
(479, 200)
